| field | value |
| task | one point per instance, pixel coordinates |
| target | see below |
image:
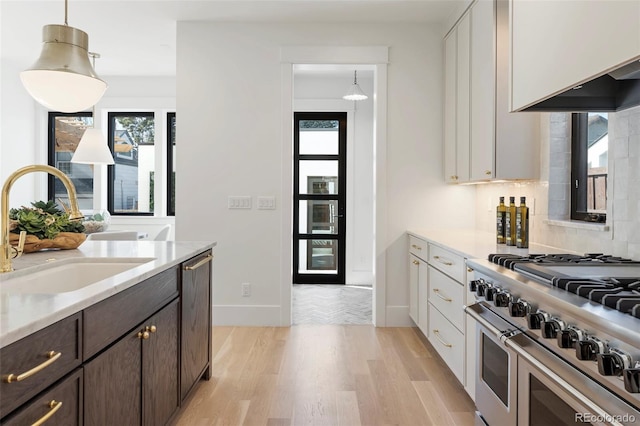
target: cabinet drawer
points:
(62, 405)
(418, 247)
(448, 342)
(448, 262)
(39, 349)
(448, 296)
(107, 321)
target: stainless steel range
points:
(557, 339)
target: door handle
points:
(338, 215)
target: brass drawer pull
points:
(151, 329)
(55, 406)
(415, 262)
(143, 335)
(417, 247)
(199, 264)
(469, 269)
(439, 259)
(53, 357)
(437, 292)
(437, 334)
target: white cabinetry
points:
(418, 289)
(447, 274)
(559, 44)
(456, 102)
(483, 141)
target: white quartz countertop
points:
(474, 244)
(22, 313)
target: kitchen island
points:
(120, 331)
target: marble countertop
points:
(23, 313)
(474, 244)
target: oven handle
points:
(505, 338)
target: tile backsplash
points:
(549, 198)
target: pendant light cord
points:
(355, 76)
(66, 12)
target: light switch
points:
(266, 203)
(239, 202)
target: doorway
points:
(319, 197)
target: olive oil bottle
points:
(501, 213)
(510, 223)
(522, 224)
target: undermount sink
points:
(68, 276)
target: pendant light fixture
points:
(92, 148)
(355, 93)
(62, 79)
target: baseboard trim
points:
(398, 316)
(247, 315)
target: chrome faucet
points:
(7, 252)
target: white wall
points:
(228, 98)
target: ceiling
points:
(138, 37)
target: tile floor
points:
(331, 304)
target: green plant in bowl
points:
(43, 220)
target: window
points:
(131, 178)
(589, 158)
(65, 132)
(171, 163)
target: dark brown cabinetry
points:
(61, 405)
(195, 297)
(138, 375)
(32, 364)
(127, 360)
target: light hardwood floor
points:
(326, 375)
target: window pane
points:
(318, 216)
(319, 137)
(318, 177)
(132, 183)
(598, 150)
(319, 256)
(68, 130)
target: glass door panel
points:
(319, 137)
(319, 197)
(318, 217)
(318, 256)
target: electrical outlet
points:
(246, 289)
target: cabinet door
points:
(463, 108)
(483, 85)
(450, 78)
(414, 267)
(61, 405)
(423, 298)
(113, 385)
(160, 367)
(553, 58)
(196, 321)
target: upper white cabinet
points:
(559, 44)
(456, 102)
(483, 140)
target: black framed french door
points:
(319, 197)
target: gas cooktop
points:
(609, 280)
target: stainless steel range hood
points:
(615, 91)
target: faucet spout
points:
(5, 245)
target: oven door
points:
(550, 392)
(496, 371)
